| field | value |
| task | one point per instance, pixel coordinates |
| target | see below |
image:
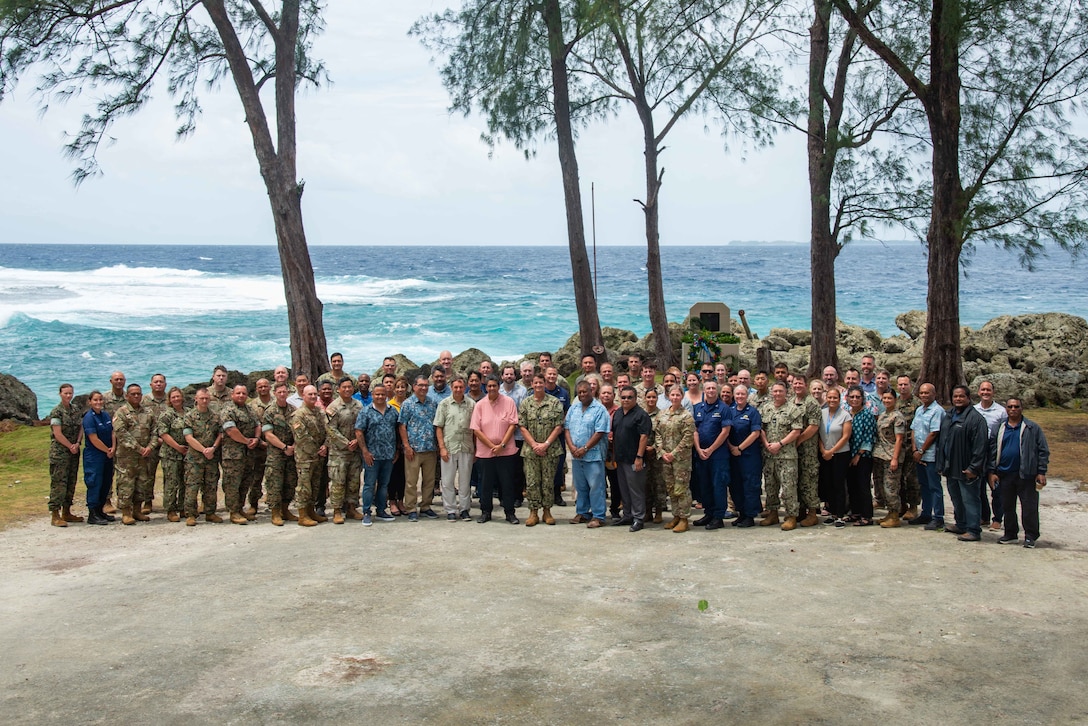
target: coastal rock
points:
(676, 332)
(896, 344)
(912, 322)
(777, 343)
(465, 361)
(795, 337)
(856, 339)
(17, 401)
(1057, 387)
(234, 378)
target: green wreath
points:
(700, 340)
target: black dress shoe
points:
(715, 523)
(485, 517)
(95, 517)
(702, 521)
(622, 522)
(512, 519)
(107, 517)
(637, 525)
(745, 522)
(560, 502)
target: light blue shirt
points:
(927, 419)
(519, 394)
(584, 421)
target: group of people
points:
(738, 447)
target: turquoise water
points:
(78, 312)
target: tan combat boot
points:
(138, 514)
(250, 512)
(337, 516)
(56, 519)
(145, 509)
(190, 521)
(681, 525)
(238, 518)
(173, 517)
(672, 523)
(213, 518)
(771, 518)
(126, 516)
(108, 507)
(354, 513)
(892, 520)
(811, 520)
(790, 523)
(288, 515)
(319, 518)
(548, 518)
(911, 513)
(658, 519)
(533, 520)
(277, 516)
(68, 516)
(304, 518)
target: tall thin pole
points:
(593, 217)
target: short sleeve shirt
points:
(379, 431)
(418, 421)
(584, 421)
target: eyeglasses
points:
(626, 398)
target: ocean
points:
(75, 313)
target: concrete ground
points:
(466, 623)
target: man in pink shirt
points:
(494, 420)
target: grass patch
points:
(1067, 435)
(24, 474)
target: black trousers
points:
(1012, 488)
(832, 483)
(499, 473)
(859, 491)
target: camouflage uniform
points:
(674, 434)
(237, 459)
(280, 476)
(172, 424)
(759, 400)
(808, 456)
(135, 430)
(640, 392)
(541, 418)
(780, 470)
(158, 408)
(888, 425)
(656, 494)
(63, 464)
(910, 493)
(219, 399)
(345, 465)
(111, 403)
(335, 380)
(201, 474)
(251, 488)
(770, 494)
(308, 425)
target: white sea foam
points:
(138, 297)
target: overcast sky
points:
(384, 163)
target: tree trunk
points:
(309, 353)
(659, 320)
(585, 301)
(942, 358)
(823, 247)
